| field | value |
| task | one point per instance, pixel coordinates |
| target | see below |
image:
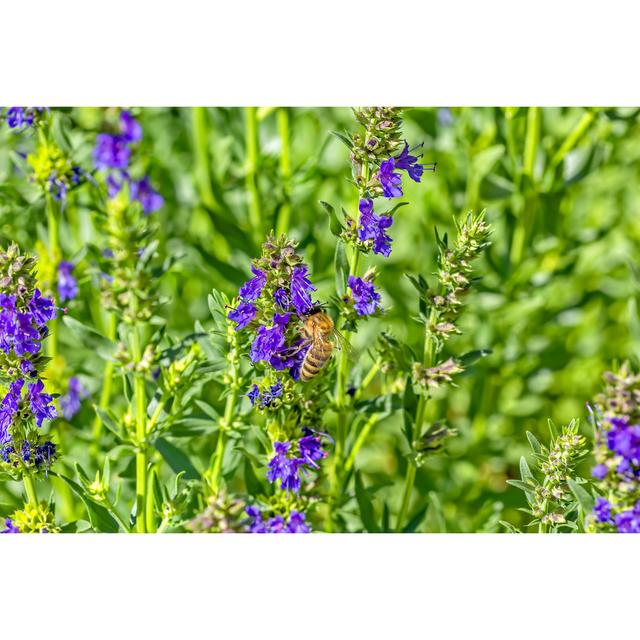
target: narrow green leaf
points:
(334, 224)
(342, 268)
(176, 459)
(585, 501)
(367, 514)
(99, 517)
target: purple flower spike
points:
(283, 468)
(67, 284)
(373, 227)
(301, 288)
(366, 300)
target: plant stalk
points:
(284, 216)
(30, 488)
(251, 180)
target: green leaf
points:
(367, 514)
(341, 265)
(410, 404)
(91, 338)
(483, 162)
(472, 356)
(533, 441)
(416, 521)
(346, 140)
(99, 517)
(334, 224)
(176, 459)
(254, 486)
(585, 501)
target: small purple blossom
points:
(10, 527)
(301, 288)
(242, 315)
(22, 117)
(389, 180)
(281, 298)
(256, 520)
(252, 289)
(629, 521)
(310, 447)
(144, 193)
(253, 394)
(67, 284)
(40, 403)
(366, 300)
(270, 341)
(410, 164)
(373, 227)
(273, 392)
(624, 440)
(130, 127)
(26, 338)
(599, 471)
(602, 510)
(276, 524)
(297, 523)
(284, 468)
(111, 152)
(43, 309)
(70, 402)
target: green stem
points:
(140, 402)
(360, 440)
(105, 395)
(251, 180)
(30, 488)
(54, 256)
(368, 379)
(202, 170)
(428, 358)
(284, 217)
(150, 515)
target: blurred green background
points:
(557, 303)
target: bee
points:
(319, 333)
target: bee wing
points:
(341, 341)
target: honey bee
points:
(319, 332)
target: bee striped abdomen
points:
(315, 358)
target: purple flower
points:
(67, 284)
(274, 391)
(365, 297)
(143, 192)
(629, 521)
(114, 185)
(26, 338)
(297, 523)
(22, 117)
(6, 416)
(277, 524)
(624, 439)
(40, 406)
(44, 454)
(253, 394)
(599, 471)
(300, 289)
(111, 152)
(282, 299)
(42, 309)
(27, 368)
(284, 468)
(389, 180)
(252, 289)
(310, 448)
(410, 164)
(602, 510)
(269, 341)
(243, 314)
(130, 127)
(10, 527)
(12, 399)
(256, 521)
(70, 403)
(373, 228)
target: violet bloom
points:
(629, 521)
(283, 468)
(274, 391)
(602, 510)
(10, 527)
(256, 522)
(599, 471)
(40, 403)
(373, 228)
(297, 523)
(409, 163)
(22, 117)
(111, 152)
(252, 289)
(70, 402)
(144, 193)
(67, 284)
(366, 300)
(242, 315)
(281, 298)
(43, 309)
(390, 181)
(130, 127)
(301, 288)
(310, 448)
(269, 341)
(26, 338)
(253, 394)
(624, 440)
